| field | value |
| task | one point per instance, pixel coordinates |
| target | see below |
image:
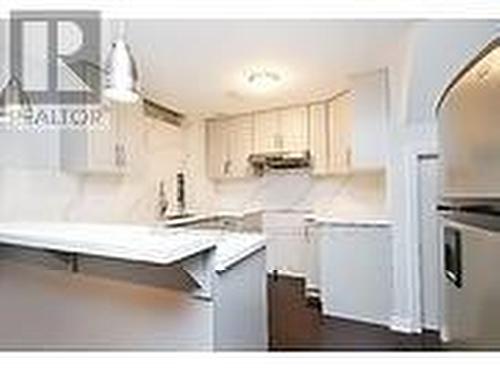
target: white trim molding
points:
(403, 325)
(419, 139)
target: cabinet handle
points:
(117, 154)
(278, 141)
(227, 167)
(349, 156)
(124, 156)
(120, 155)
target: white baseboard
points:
(358, 318)
(403, 325)
(313, 291)
(444, 334)
(290, 273)
(313, 288)
(431, 327)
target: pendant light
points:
(121, 78)
(15, 104)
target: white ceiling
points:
(199, 66)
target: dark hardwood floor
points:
(297, 324)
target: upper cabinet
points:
(229, 143)
(281, 130)
(340, 128)
(216, 149)
(349, 133)
(370, 119)
(345, 134)
(330, 129)
(318, 137)
(102, 149)
(267, 132)
(293, 132)
(240, 132)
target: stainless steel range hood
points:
(280, 160)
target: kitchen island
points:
(129, 287)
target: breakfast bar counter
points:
(117, 286)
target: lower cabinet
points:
(355, 271)
(286, 242)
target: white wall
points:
(29, 193)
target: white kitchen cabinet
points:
(355, 271)
(267, 132)
(318, 136)
(370, 117)
(353, 134)
(340, 116)
(345, 134)
(229, 143)
(216, 155)
(330, 126)
(293, 129)
(103, 149)
(240, 130)
(286, 242)
(281, 130)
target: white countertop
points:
(132, 242)
(343, 221)
(127, 242)
(231, 247)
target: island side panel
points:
(241, 305)
(48, 308)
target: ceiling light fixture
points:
(121, 78)
(264, 80)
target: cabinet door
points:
(286, 242)
(240, 139)
(102, 144)
(318, 138)
(96, 149)
(370, 120)
(355, 272)
(293, 134)
(216, 149)
(339, 134)
(267, 132)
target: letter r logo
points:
(56, 55)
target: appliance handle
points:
(482, 209)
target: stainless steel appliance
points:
(279, 160)
(469, 117)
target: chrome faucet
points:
(162, 204)
(181, 193)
